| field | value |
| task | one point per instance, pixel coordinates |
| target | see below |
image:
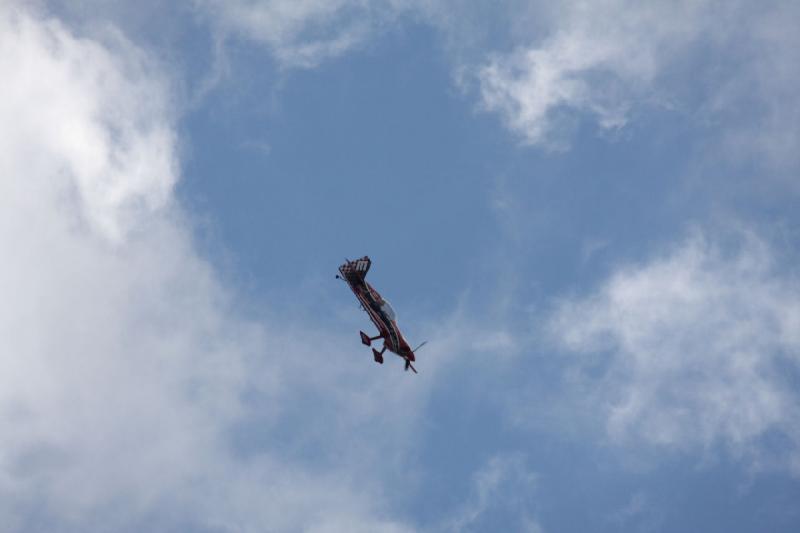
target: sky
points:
(588, 210)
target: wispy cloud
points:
(299, 34)
(504, 482)
(606, 60)
(553, 66)
(600, 58)
(757, 106)
(695, 347)
(638, 514)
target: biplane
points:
(379, 311)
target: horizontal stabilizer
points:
(365, 340)
(358, 268)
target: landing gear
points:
(378, 355)
(366, 340)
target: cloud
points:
(112, 149)
(504, 482)
(696, 347)
(298, 33)
(607, 59)
(308, 32)
(598, 58)
(133, 395)
(757, 105)
(726, 66)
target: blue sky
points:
(588, 210)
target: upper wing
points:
(356, 270)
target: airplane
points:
(379, 311)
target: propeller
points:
(414, 351)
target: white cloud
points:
(599, 57)
(111, 148)
(299, 33)
(722, 61)
(125, 369)
(694, 348)
(639, 514)
(757, 106)
(729, 66)
(504, 482)
(304, 33)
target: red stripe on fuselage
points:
(368, 296)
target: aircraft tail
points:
(358, 268)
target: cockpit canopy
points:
(388, 311)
